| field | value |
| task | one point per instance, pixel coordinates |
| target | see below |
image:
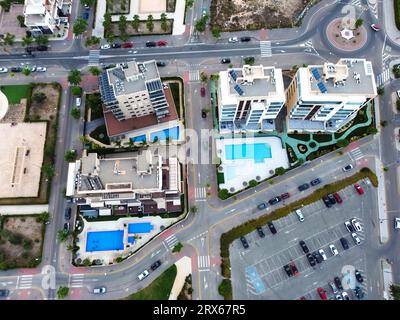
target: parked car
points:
(16, 69)
(106, 46)
(337, 197)
(358, 275)
(345, 295)
(322, 293)
(327, 202)
(203, 91)
(317, 257)
(344, 243)
(42, 48)
(347, 168)
(161, 64)
(3, 70)
(356, 239)
(375, 27)
(262, 206)
(288, 270)
(244, 242)
(294, 269)
(348, 226)
(275, 200)
(155, 265)
(333, 287)
(322, 253)
(245, 39)
(151, 44)
(85, 15)
(233, 39)
(225, 60)
(41, 69)
(303, 187)
(356, 225)
(358, 188)
(338, 283)
(203, 114)
(100, 290)
(127, 45)
(272, 228)
(397, 223)
(359, 293)
(303, 246)
(285, 195)
(4, 292)
(334, 251)
(66, 226)
(331, 198)
(300, 215)
(143, 275)
(260, 232)
(398, 92)
(116, 45)
(311, 259)
(315, 181)
(162, 43)
(78, 102)
(339, 297)
(67, 213)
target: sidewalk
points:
(383, 225)
(390, 26)
(26, 209)
(387, 279)
(184, 268)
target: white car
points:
(356, 239)
(397, 223)
(233, 39)
(143, 275)
(334, 251)
(338, 297)
(41, 69)
(3, 70)
(356, 225)
(375, 27)
(300, 215)
(322, 253)
(398, 93)
(105, 46)
(348, 226)
(78, 102)
(100, 290)
(345, 295)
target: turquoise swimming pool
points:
(105, 240)
(144, 227)
(256, 151)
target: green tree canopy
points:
(62, 292)
(80, 26)
(74, 77)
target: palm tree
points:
(27, 41)
(9, 39)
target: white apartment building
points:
(323, 98)
(250, 98)
(45, 16)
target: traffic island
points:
(343, 34)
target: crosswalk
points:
(76, 280)
(79, 36)
(309, 44)
(265, 47)
(94, 57)
(385, 57)
(200, 193)
(357, 3)
(194, 75)
(356, 154)
(383, 77)
(171, 241)
(24, 282)
(203, 263)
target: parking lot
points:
(258, 273)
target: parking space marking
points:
(256, 281)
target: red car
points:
(203, 92)
(285, 195)
(337, 197)
(322, 293)
(127, 45)
(359, 189)
(161, 43)
(294, 269)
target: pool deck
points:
(108, 257)
(238, 171)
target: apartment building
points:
(136, 103)
(143, 183)
(250, 98)
(324, 98)
(45, 16)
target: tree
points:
(201, 24)
(9, 39)
(225, 289)
(62, 235)
(342, 143)
(107, 25)
(359, 22)
(94, 71)
(76, 91)
(223, 194)
(203, 77)
(381, 91)
(80, 26)
(21, 21)
(91, 41)
(178, 247)
(280, 171)
(26, 71)
(372, 130)
(48, 170)
(42, 40)
(39, 97)
(122, 28)
(150, 23)
(88, 3)
(62, 292)
(193, 209)
(74, 77)
(189, 3)
(216, 32)
(135, 22)
(27, 41)
(384, 123)
(394, 290)
(249, 60)
(70, 156)
(75, 113)
(87, 262)
(253, 183)
(164, 22)
(43, 217)
(215, 76)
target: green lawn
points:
(15, 93)
(159, 289)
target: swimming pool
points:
(256, 151)
(144, 227)
(170, 133)
(105, 240)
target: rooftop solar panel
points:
(316, 74)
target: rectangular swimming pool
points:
(256, 151)
(144, 227)
(105, 240)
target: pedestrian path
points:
(266, 50)
(356, 154)
(76, 280)
(383, 77)
(94, 57)
(171, 241)
(203, 263)
(24, 282)
(200, 193)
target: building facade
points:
(250, 98)
(324, 98)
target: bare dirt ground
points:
(46, 110)
(235, 15)
(29, 229)
(15, 113)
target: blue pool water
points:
(144, 227)
(105, 240)
(131, 239)
(141, 138)
(162, 135)
(256, 151)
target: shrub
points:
(280, 171)
(225, 289)
(253, 183)
(397, 13)
(223, 194)
(342, 143)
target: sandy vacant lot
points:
(255, 14)
(20, 168)
(146, 6)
